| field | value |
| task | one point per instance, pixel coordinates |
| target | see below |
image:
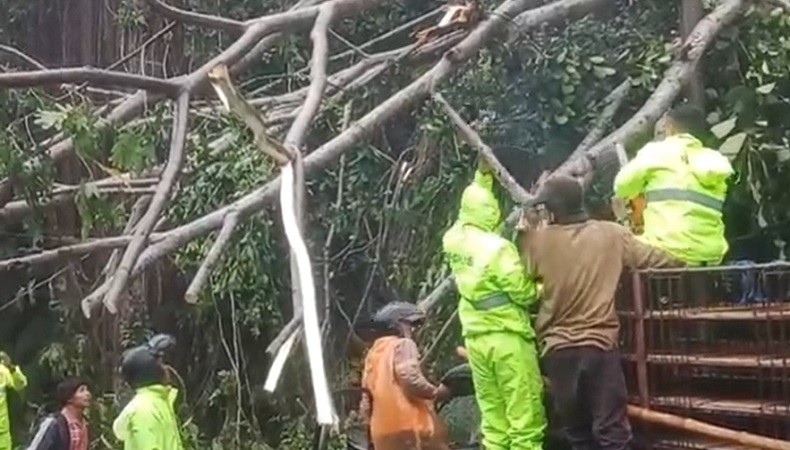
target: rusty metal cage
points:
(710, 344)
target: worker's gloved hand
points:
(5, 359)
(443, 393)
(482, 165)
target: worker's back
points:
(398, 421)
(685, 185)
(580, 265)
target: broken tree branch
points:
(235, 103)
(163, 191)
(471, 137)
(417, 91)
(94, 76)
(193, 18)
(213, 257)
(71, 251)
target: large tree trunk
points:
(93, 33)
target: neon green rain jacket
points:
(495, 290)
(495, 294)
(17, 381)
(149, 421)
(685, 185)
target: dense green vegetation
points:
(385, 205)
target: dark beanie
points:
(563, 196)
(67, 388)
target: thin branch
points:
(138, 209)
(143, 230)
(22, 56)
(293, 326)
(435, 344)
(193, 18)
(312, 102)
(213, 257)
(91, 246)
(614, 101)
(472, 138)
(93, 76)
(141, 48)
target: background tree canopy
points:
(81, 159)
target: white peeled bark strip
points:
(276, 371)
(323, 401)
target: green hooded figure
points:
(495, 293)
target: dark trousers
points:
(590, 397)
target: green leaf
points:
(766, 88)
(724, 128)
(783, 155)
(603, 72)
(131, 152)
(49, 119)
(561, 119)
(733, 145)
(568, 89)
(596, 60)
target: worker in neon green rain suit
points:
(11, 377)
(495, 293)
(148, 421)
(684, 184)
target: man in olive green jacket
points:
(684, 184)
(500, 342)
(11, 377)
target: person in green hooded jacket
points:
(685, 185)
(11, 377)
(148, 421)
(495, 294)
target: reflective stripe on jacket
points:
(17, 381)
(685, 185)
(492, 281)
(149, 421)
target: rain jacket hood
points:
(149, 421)
(479, 206)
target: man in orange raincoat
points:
(398, 401)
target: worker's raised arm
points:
(11, 375)
(632, 178)
(639, 255)
(512, 277)
(18, 380)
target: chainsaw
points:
(629, 212)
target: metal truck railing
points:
(711, 344)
